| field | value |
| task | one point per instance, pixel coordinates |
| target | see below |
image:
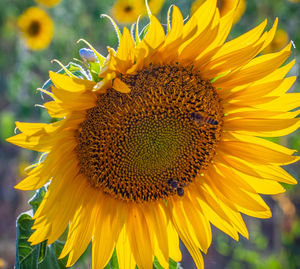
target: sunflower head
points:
(36, 28)
(162, 138)
(166, 129)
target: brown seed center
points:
(151, 143)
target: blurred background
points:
(31, 38)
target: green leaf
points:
(51, 259)
(38, 256)
(95, 70)
(26, 255)
(37, 198)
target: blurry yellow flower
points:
(49, 3)
(225, 6)
(168, 140)
(36, 28)
(280, 40)
(294, 1)
(127, 11)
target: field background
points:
(273, 243)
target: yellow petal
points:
(173, 242)
(203, 15)
(71, 84)
(190, 49)
(254, 70)
(55, 110)
(81, 230)
(75, 101)
(199, 222)
(125, 52)
(124, 253)
(120, 86)
(186, 233)
(42, 143)
(260, 185)
(270, 34)
(30, 129)
(108, 226)
(263, 127)
(234, 192)
(256, 150)
(155, 35)
(248, 42)
(285, 102)
(226, 206)
(214, 213)
(177, 26)
(259, 141)
(157, 220)
(269, 172)
(139, 238)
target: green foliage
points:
(6, 124)
(27, 256)
(38, 256)
(172, 264)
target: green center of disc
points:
(155, 143)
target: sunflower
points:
(166, 141)
(280, 40)
(49, 3)
(224, 7)
(128, 11)
(36, 28)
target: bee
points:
(174, 185)
(202, 118)
(180, 191)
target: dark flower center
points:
(127, 9)
(34, 28)
(151, 143)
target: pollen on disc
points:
(167, 127)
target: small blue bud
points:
(87, 55)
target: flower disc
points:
(134, 145)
